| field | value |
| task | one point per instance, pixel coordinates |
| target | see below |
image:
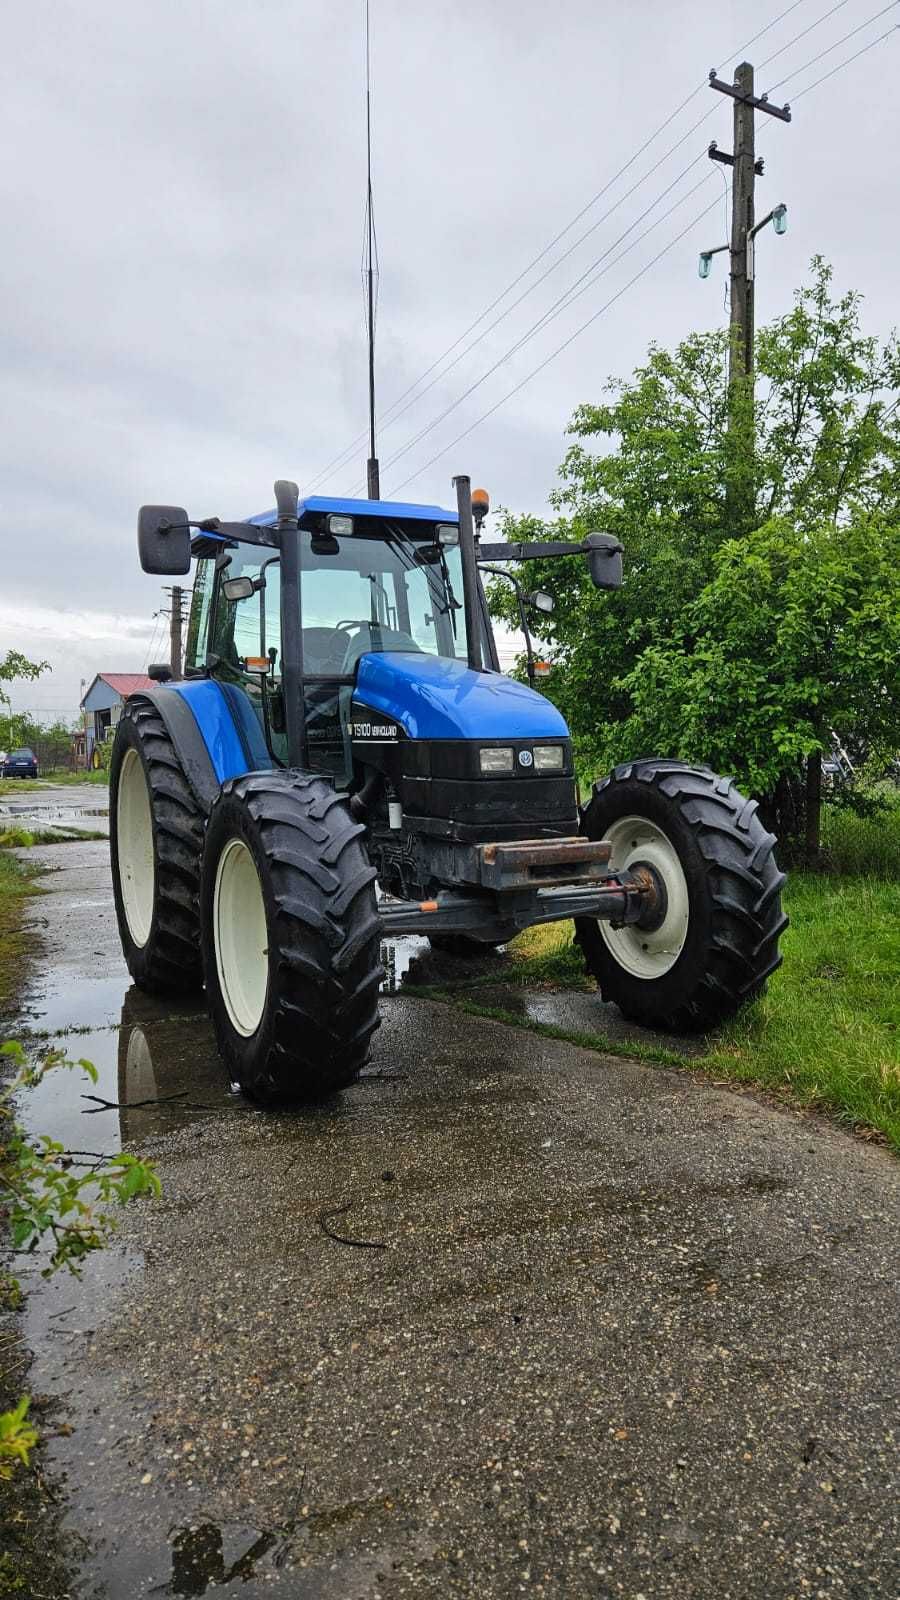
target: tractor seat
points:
(374, 638)
(323, 649)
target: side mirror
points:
(240, 588)
(540, 601)
(427, 555)
(604, 553)
(164, 540)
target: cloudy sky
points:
(182, 199)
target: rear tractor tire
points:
(156, 841)
(718, 940)
(291, 936)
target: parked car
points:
(20, 764)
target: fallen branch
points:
(342, 1238)
(130, 1105)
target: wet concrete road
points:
(589, 1327)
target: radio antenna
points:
(370, 277)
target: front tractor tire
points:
(291, 937)
(717, 941)
(156, 842)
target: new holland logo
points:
(526, 759)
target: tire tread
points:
(745, 916)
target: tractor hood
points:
(433, 697)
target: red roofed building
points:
(101, 707)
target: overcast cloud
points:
(182, 194)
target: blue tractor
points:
(343, 761)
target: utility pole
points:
(744, 228)
(175, 619)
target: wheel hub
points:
(655, 900)
(649, 947)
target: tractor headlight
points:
(548, 758)
(339, 527)
(496, 758)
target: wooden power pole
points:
(175, 631)
(743, 216)
(747, 168)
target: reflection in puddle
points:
(168, 1068)
(199, 1559)
(155, 1071)
(88, 820)
(156, 1060)
(397, 955)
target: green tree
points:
(650, 464)
(797, 633)
(14, 666)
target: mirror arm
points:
(500, 572)
(539, 549)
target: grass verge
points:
(26, 838)
(16, 945)
(66, 777)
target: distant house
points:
(101, 707)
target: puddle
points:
(155, 1070)
(76, 816)
(53, 812)
(157, 1062)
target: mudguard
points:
(214, 731)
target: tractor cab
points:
(375, 578)
(403, 704)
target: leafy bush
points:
(46, 1198)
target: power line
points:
(767, 29)
(414, 400)
(560, 348)
(564, 301)
(391, 412)
(798, 36)
(837, 43)
(156, 637)
(841, 64)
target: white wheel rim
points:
(241, 938)
(134, 844)
(140, 1076)
(643, 952)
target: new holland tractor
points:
(343, 762)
